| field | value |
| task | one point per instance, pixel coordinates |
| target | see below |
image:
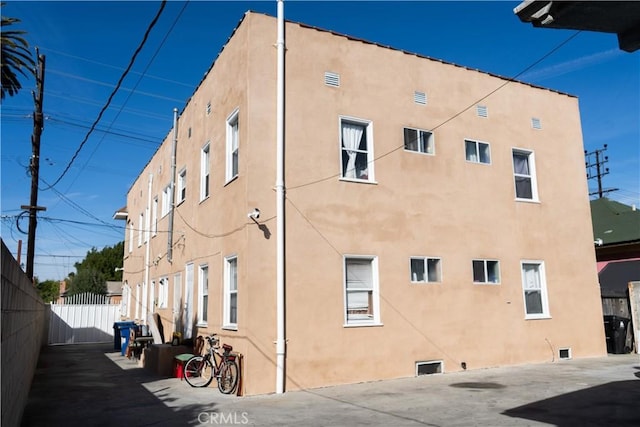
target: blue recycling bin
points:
(121, 330)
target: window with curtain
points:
(486, 271)
(166, 193)
(231, 293)
(524, 175)
(425, 270)
(420, 141)
(477, 152)
(233, 142)
(361, 291)
(203, 290)
(204, 172)
(534, 289)
(356, 148)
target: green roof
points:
(614, 222)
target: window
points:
(418, 140)
(426, 270)
(204, 172)
(163, 292)
(486, 271)
(154, 216)
(182, 185)
(166, 200)
(357, 149)
(140, 229)
(131, 237)
(534, 288)
(361, 290)
(477, 152)
(233, 140)
(231, 292)
(203, 294)
(524, 175)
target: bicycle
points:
(199, 371)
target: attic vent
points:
(332, 79)
(535, 123)
(420, 98)
(208, 108)
(564, 353)
(482, 111)
(429, 368)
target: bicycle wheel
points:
(228, 379)
(198, 372)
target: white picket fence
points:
(84, 318)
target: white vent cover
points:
(420, 98)
(332, 79)
(535, 123)
(482, 111)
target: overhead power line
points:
(104, 108)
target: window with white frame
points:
(419, 140)
(230, 292)
(356, 148)
(233, 142)
(524, 175)
(140, 229)
(166, 200)
(361, 290)
(163, 292)
(486, 271)
(425, 270)
(477, 152)
(203, 294)
(154, 216)
(204, 172)
(131, 230)
(534, 289)
(182, 185)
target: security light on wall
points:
(255, 214)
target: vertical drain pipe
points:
(147, 254)
(280, 231)
(173, 185)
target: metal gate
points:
(87, 318)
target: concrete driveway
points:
(92, 385)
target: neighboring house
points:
(616, 230)
(113, 295)
(421, 235)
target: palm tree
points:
(16, 57)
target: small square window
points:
(486, 271)
(418, 140)
(477, 152)
(425, 270)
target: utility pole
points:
(34, 164)
(600, 171)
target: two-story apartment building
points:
(436, 217)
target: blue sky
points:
(89, 44)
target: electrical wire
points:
(104, 108)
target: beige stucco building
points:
(425, 221)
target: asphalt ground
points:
(93, 385)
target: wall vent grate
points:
(332, 79)
(420, 98)
(482, 111)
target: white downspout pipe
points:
(147, 254)
(280, 194)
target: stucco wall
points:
(23, 329)
(419, 205)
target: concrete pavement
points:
(91, 385)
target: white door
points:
(187, 317)
(178, 325)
